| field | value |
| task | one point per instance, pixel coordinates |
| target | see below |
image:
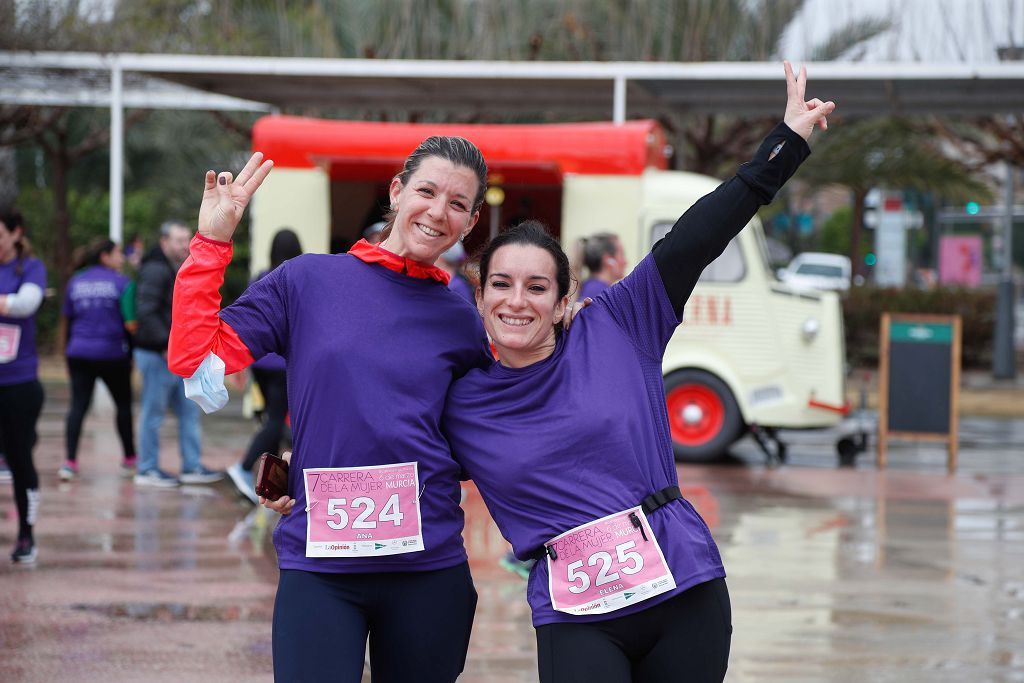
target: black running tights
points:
(20, 405)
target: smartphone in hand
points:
(271, 477)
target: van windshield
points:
(819, 269)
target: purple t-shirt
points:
(271, 361)
(581, 435)
(370, 356)
(92, 305)
(592, 288)
(461, 286)
(25, 365)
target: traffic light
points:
(870, 259)
(972, 208)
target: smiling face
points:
(520, 304)
(433, 210)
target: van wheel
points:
(702, 415)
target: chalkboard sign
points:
(919, 381)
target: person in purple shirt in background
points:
(269, 373)
(98, 348)
(22, 285)
(451, 262)
(567, 438)
(605, 261)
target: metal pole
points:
(619, 101)
(495, 220)
(1004, 365)
(116, 153)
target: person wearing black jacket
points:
(161, 388)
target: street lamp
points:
(1004, 360)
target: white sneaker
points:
(200, 475)
(244, 482)
(157, 479)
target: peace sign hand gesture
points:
(224, 200)
(802, 115)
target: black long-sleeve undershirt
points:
(704, 231)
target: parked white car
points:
(816, 270)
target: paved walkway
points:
(835, 575)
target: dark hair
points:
(11, 218)
(168, 225)
(596, 247)
(284, 246)
(534, 233)
(459, 151)
(90, 256)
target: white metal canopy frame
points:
(594, 89)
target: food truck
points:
(752, 355)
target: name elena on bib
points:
(607, 564)
(363, 511)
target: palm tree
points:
(887, 153)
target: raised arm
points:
(702, 233)
(196, 329)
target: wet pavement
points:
(836, 575)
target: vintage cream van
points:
(752, 355)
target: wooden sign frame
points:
(951, 439)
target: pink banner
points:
(960, 260)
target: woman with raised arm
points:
(372, 339)
(567, 439)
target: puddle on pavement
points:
(164, 611)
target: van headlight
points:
(810, 329)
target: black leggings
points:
(685, 638)
(274, 387)
(418, 624)
(117, 375)
(20, 405)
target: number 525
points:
(623, 554)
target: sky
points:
(960, 31)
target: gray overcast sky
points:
(924, 30)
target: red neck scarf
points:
(374, 253)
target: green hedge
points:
(863, 308)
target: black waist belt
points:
(649, 504)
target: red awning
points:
(521, 154)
